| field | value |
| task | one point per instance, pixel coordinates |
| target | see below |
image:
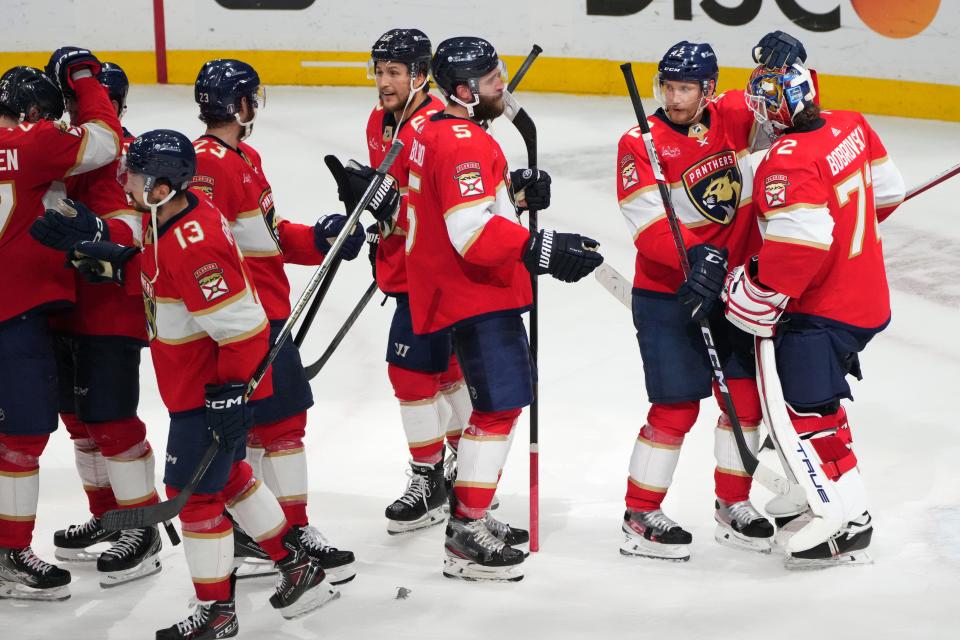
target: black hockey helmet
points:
(113, 78)
(22, 88)
(162, 153)
(409, 46)
(222, 83)
(463, 60)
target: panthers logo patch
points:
(713, 186)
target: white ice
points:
(592, 406)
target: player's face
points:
(491, 87)
(393, 84)
(132, 184)
(681, 100)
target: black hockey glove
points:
(329, 227)
(228, 416)
(65, 61)
(778, 49)
(385, 201)
(66, 224)
(565, 256)
(373, 240)
(708, 271)
(531, 189)
(100, 261)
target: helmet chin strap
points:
(154, 206)
(414, 90)
(472, 83)
(247, 126)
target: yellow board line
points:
(556, 75)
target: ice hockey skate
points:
(336, 563)
(474, 553)
(24, 576)
(847, 547)
(249, 560)
(741, 526)
(73, 543)
(651, 534)
(422, 504)
(209, 621)
(302, 586)
(135, 555)
(510, 536)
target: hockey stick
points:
(528, 131)
(749, 460)
(343, 187)
(140, 517)
(313, 369)
(621, 289)
(932, 182)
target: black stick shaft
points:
(317, 300)
(522, 71)
(749, 460)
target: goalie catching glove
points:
(750, 306)
(66, 224)
(565, 256)
(100, 261)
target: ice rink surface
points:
(593, 404)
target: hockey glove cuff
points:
(708, 271)
(565, 256)
(65, 61)
(749, 306)
(66, 224)
(386, 199)
(100, 261)
(228, 416)
(531, 189)
(373, 242)
(778, 49)
(329, 227)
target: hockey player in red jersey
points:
(469, 263)
(426, 378)
(230, 173)
(821, 191)
(703, 142)
(34, 152)
(98, 364)
(208, 334)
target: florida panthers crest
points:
(713, 186)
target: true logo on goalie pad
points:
(775, 190)
(467, 175)
(210, 279)
(628, 171)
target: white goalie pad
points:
(799, 457)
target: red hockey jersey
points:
(205, 322)
(819, 194)
(32, 156)
(464, 243)
(103, 310)
(234, 181)
(707, 167)
(381, 131)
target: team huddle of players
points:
(177, 245)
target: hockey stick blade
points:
(140, 517)
(618, 286)
(313, 369)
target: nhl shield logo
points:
(468, 179)
(713, 186)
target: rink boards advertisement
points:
(878, 56)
